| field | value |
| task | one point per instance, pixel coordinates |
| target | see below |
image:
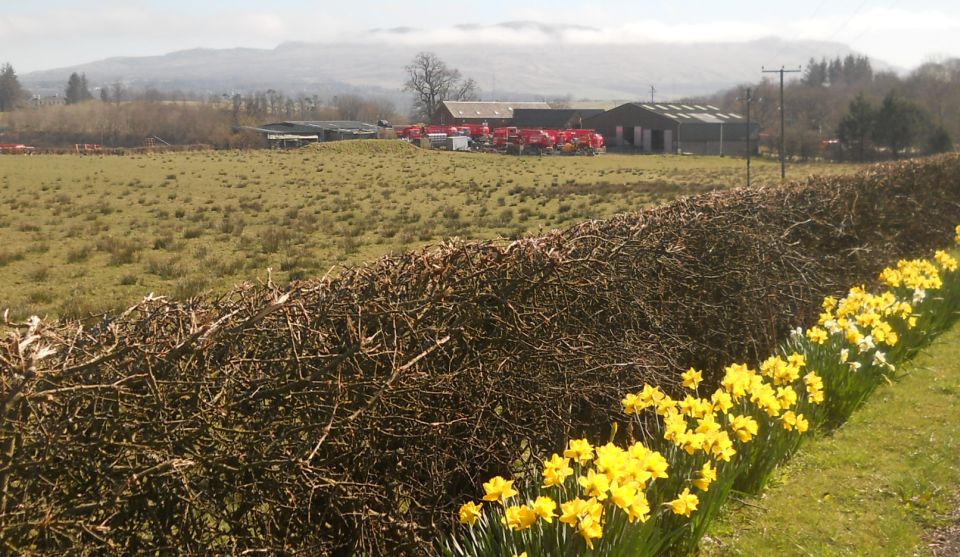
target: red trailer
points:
(445, 130)
(534, 140)
(503, 137)
(475, 131)
(583, 141)
(407, 132)
(16, 148)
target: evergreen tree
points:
(940, 141)
(835, 71)
(898, 124)
(857, 126)
(12, 93)
(816, 73)
(77, 89)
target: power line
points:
(783, 159)
(849, 19)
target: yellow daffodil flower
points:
(579, 450)
(544, 507)
(498, 489)
(708, 475)
(691, 378)
(685, 503)
(556, 471)
(470, 512)
(519, 518)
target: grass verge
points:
(876, 486)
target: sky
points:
(55, 33)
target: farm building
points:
(281, 135)
(494, 114)
(673, 128)
(52, 100)
(552, 118)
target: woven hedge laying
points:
(352, 415)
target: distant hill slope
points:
(600, 71)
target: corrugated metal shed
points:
(556, 118)
(300, 132)
(693, 113)
(673, 127)
(314, 127)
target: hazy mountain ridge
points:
(593, 71)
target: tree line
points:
(121, 116)
(844, 109)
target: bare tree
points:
(432, 82)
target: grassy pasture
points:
(81, 235)
(878, 486)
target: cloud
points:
(879, 20)
(526, 33)
(119, 23)
(131, 28)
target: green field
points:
(82, 235)
(878, 486)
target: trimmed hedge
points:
(354, 414)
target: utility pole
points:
(783, 160)
(749, 99)
(652, 91)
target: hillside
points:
(593, 71)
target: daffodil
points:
(622, 495)
(584, 515)
(590, 529)
(786, 396)
(498, 489)
(685, 503)
(519, 518)
(722, 401)
(570, 511)
(945, 260)
(470, 512)
(632, 404)
(544, 507)
(744, 427)
(556, 471)
(817, 335)
(579, 450)
(721, 447)
(793, 421)
(656, 465)
(708, 475)
(691, 378)
(595, 484)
